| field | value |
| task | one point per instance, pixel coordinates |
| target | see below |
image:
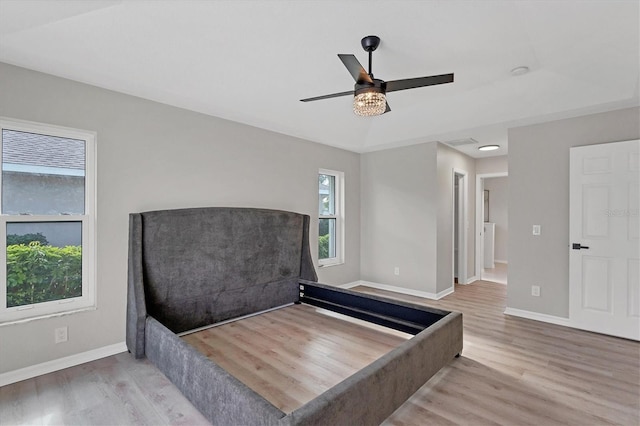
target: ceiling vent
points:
(462, 142)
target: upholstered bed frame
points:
(191, 268)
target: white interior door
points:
(605, 238)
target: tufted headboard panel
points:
(194, 267)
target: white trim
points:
(471, 280)
(60, 363)
(463, 228)
(480, 217)
(350, 285)
(329, 265)
(500, 261)
(87, 221)
(565, 322)
(339, 196)
(538, 317)
(47, 129)
(47, 316)
(444, 293)
(402, 290)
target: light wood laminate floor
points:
(497, 274)
(512, 371)
(293, 354)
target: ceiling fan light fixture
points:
(369, 104)
(370, 93)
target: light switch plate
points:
(536, 229)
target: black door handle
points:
(577, 246)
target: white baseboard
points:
(538, 317)
(350, 285)
(500, 261)
(566, 322)
(402, 290)
(471, 279)
(443, 293)
(60, 364)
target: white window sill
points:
(46, 316)
(327, 265)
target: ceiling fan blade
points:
(412, 83)
(355, 69)
(333, 95)
(388, 108)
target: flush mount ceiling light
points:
(519, 71)
(370, 93)
(489, 148)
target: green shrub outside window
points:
(39, 273)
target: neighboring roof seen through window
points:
(32, 149)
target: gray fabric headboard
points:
(193, 267)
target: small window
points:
(47, 209)
(330, 213)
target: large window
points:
(47, 209)
(330, 213)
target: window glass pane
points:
(326, 194)
(44, 262)
(327, 239)
(42, 174)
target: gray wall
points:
(407, 216)
(498, 213)
(492, 165)
(153, 156)
(449, 159)
(539, 194)
(399, 214)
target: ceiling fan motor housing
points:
(378, 86)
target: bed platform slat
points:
(402, 317)
(384, 320)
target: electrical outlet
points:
(536, 229)
(535, 290)
(61, 334)
(396, 270)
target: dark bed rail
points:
(399, 316)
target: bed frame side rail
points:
(372, 394)
(221, 397)
(407, 318)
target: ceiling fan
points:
(369, 92)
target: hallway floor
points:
(497, 274)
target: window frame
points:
(338, 216)
(88, 224)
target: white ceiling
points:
(251, 61)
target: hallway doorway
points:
(492, 225)
(460, 226)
